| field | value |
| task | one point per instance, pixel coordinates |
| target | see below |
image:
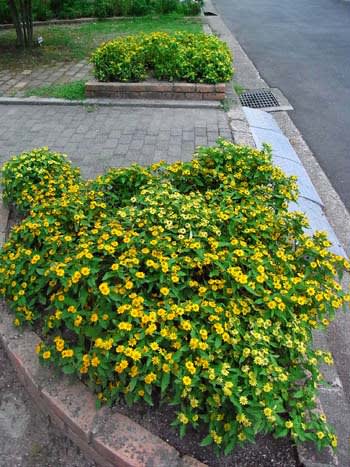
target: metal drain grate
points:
(258, 99)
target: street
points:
(303, 48)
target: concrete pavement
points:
(96, 138)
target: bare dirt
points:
(27, 438)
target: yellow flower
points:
(150, 378)
(164, 291)
(104, 288)
(187, 380)
(85, 271)
(95, 361)
(289, 424)
(35, 259)
(67, 353)
(183, 418)
(46, 355)
(78, 320)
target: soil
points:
(265, 452)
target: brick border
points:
(157, 90)
(108, 438)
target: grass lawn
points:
(76, 42)
(72, 91)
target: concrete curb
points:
(108, 438)
(171, 104)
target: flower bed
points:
(197, 58)
(190, 282)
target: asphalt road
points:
(303, 48)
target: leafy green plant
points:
(68, 9)
(239, 89)
(179, 56)
(191, 281)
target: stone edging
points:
(107, 437)
(156, 90)
(106, 102)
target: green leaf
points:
(182, 431)
(68, 370)
(165, 382)
(148, 399)
(206, 441)
(230, 446)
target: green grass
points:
(72, 91)
(239, 89)
(75, 42)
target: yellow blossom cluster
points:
(190, 278)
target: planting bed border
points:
(156, 90)
(108, 438)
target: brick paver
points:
(96, 138)
(17, 82)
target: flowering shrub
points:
(179, 56)
(33, 176)
(190, 280)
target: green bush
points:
(48, 171)
(190, 281)
(68, 9)
(180, 56)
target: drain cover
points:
(258, 99)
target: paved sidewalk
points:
(96, 138)
(16, 82)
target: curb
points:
(108, 438)
(170, 104)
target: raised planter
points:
(157, 90)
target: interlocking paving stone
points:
(109, 136)
(16, 83)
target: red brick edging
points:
(154, 90)
(108, 438)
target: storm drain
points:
(258, 99)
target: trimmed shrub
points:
(190, 281)
(179, 56)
